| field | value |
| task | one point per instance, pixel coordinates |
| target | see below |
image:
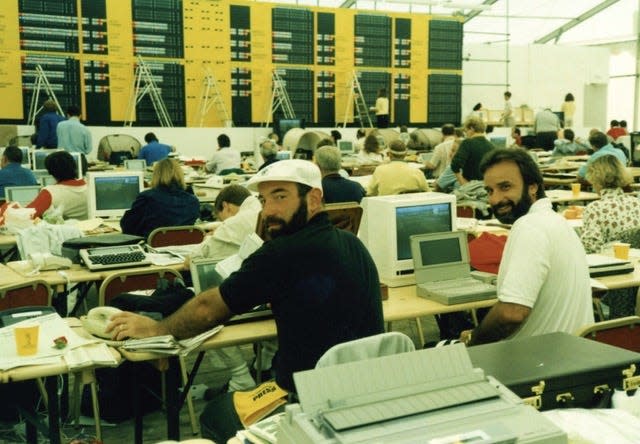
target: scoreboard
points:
(88, 50)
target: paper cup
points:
(621, 250)
(26, 339)
(575, 189)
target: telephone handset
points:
(48, 261)
(96, 321)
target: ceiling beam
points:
(555, 34)
(348, 3)
(476, 13)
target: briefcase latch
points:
(630, 382)
(536, 400)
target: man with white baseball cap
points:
(321, 282)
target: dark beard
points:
(297, 222)
(517, 210)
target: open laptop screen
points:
(440, 251)
(204, 275)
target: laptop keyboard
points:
(456, 290)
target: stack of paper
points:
(233, 262)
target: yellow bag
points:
(256, 404)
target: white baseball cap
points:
(294, 170)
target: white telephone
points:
(96, 321)
(48, 261)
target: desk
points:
(403, 303)
(551, 181)
(566, 196)
(50, 372)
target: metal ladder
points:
(41, 82)
(360, 107)
(145, 84)
(279, 99)
(211, 96)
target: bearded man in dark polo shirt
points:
(321, 283)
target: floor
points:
(211, 374)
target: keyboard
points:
(456, 291)
(103, 258)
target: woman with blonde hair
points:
(605, 220)
(165, 204)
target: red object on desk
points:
(485, 252)
(194, 162)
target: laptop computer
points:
(442, 270)
(205, 276)
(24, 195)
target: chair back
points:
(621, 332)
(344, 215)
(127, 281)
(370, 347)
(30, 293)
(182, 235)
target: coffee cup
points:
(26, 339)
(575, 189)
(621, 250)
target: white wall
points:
(199, 142)
(540, 76)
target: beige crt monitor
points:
(389, 221)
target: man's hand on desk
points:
(130, 325)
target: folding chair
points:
(182, 235)
(384, 344)
(127, 281)
(621, 332)
(30, 293)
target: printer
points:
(430, 396)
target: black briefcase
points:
(559, 370)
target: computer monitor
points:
(38, 157)
(26, 158)
(47, 180)
(135, 164)
(283, 155)
(281, 126)
(38, 162)
(389, 221)
(345, 146)
(24, 195)
(112, 193)
(498, 141)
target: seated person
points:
(359, 143)
(336, 188)
(568, 145)
(268, 151)
(396, 177)
(154, 150)
(68, 193)
(12, 174)
(602, 147)
(225, 158)
(447, 181)
(371, 153)
(166, 204)
(466, 162)
(442, 152)
(604, 220)
(238, 210)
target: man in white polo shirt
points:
(543, 282)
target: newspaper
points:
(79, 352)
(167, 344)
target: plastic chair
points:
(127, 281)
(621, 332)
(181, 235)
(384, 344)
